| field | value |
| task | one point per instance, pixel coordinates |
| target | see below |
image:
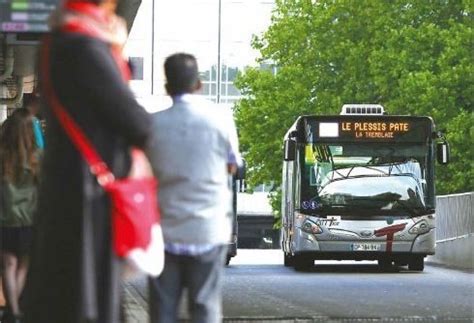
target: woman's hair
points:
(18, 146)
(30, 99)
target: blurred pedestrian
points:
(19, 170)
(75, 275)
(193, 151)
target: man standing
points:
(193, 151)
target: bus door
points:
(288, 193)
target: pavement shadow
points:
(264, 269)
(357, 268)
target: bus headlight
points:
(420, 227)
(311, 227)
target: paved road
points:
(259, 287)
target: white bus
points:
(360, 186)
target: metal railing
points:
(454, 216)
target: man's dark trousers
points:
(202, 277)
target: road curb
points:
(414, 319)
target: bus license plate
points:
(365, 247)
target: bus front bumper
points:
(335, 249)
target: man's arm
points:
(232, 169)
(234, 158)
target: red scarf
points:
(88, 19)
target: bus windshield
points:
(376, 178)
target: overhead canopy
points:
(21, 25)
(128, 9)
(32, 16)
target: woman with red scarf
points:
(74, 275)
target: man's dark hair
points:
(181, 72)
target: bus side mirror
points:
(442, 152)
(290, 150)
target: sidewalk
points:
(136, 311)
(135, 306)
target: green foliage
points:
(458, 176)
(413, 57)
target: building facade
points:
(218, 32)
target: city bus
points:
(360, 186)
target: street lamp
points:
(219, 52)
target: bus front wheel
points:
(416, 263)
(288, 259)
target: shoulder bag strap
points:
(97, 166)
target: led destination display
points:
(375, 129)
(350, 128)
(25, 16)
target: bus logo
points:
(310, 205)
(390, 232)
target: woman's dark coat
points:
(74, 275)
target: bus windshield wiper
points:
(320, 188)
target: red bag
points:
(133, 213)
(133, 195)
(136, 231)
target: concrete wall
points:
(455, 231)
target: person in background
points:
(19, 178)
(75, 275)
(193, 151)
(31, 102)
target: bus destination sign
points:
(374, 129)
(25, 16)
(351, 128)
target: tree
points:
(413, 57)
